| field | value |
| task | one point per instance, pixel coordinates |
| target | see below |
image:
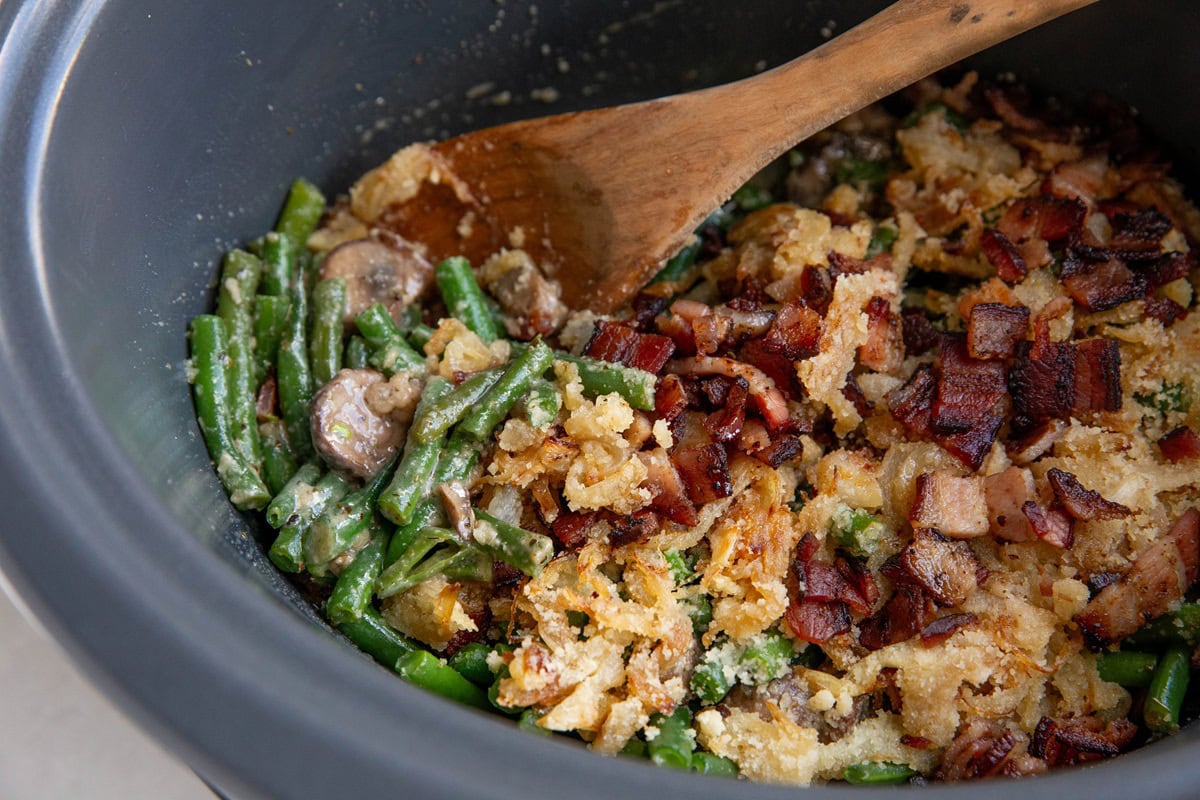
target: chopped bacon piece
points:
(943, 628)
(954, 505)
(1164, 309)
(816, 288)
(823, 581)
(1165, 269)
(816, 622)
(1097, 376)
(781, 450)
(795, 333)
(1181, 444)
(856, 572)
(1003, 255)
(636, 527)
(705, 472)
(1007, 493)
(1138, 233)
(1080, 739)
(1155, 583)
(1031, 222)
(854, 393)
(711, 332)
(884, 349)
(754, 437)
(919, 334)
(619, 343)
(900, 619)
(670, 398)
(968, 388)
(982, 748)
(645, 308)
(1083, 503)
(994, 329)
(767, 397)
(726, 423)
(668, 495)
(1099, 285)
(1042, 387)
(807, 547)
(1083, 180)
(1035, 444)
(912, 403)
(915, 742)
(679, 331)
(945, 569)
(1050, 525)
(571, 528)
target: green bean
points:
(1164, 697)
(376, 638)
(677, 563)
(293, 377)
(877, 772)
(428, 514)
(414, 475)
(278, 464)
(1181, 626)
(390, 353)
(301, 212)
(709, 764)
(700, 610)
(210, 388)
(341, 521)
(408, 569)
(473, 565)
(426, 670)
(279, 263)
(357, 353)
(471, 661)
(528, 721)
(325, 335)
(239, 282)
(752, 197)
(882, 240)
(352, 593)
(542, 404)
(710, 679)
(419, 336)
(856, 530)
(1129, 669)
(600, 377)
(678, 265)
(463, 297)
(287, 552)
(517, 547)
(672, 747)
(873, 172)
(270, 320)
(513, 384)
(294, 494)
(438, 417)
(634, 748)
(767, 657)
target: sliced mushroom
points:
(457, 502)
(346, 432)
(393, 274)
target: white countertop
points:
(59, 737)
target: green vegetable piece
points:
(708, 764)
(680, 264)
(768, 657)
(414, 474)
(856, 530)
(419, 336)
(390, 353)
(504, 394)
(412, 566)
(278, 464)
(672, 747)
(710, 681)
(600, 377)
(424, 669)
(301, 212)
(325, 336)
(542, 404)
(1164, 697)
(751, 197)
(471, 661)
(210, 388)
(956, 120)
(279, 254)
(700, 610)
(882, 239)
(287, 552)
(634, 748)
(871, 773)
(294, 494)
(1181, 626)
(352, 593)
(293, 376)
(870, 172)
(435, 418)
(378, 639)
(270, 321)
(335, 529)
(528, 721)
(1129, 669)
(240, 276)
(1171, 397)
(464, 298)
(357, 353)
(681, 570)
(517, 547)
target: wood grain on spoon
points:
(602, 197)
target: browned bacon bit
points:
(1181, 444)
(807, 547)
(726, 423)
(1042, 387)
(636, 527)
(855, 571)
(571, 528)
(754, 437)
(1155, 582)
(1003, 255)
(783, 449)
(985, 748)
(1031, 222)
(943, 628)
(1035, 444)
(1165, 310)
(619, 343)
(946, 569)
(769, 400)
(1083, 503)
(823, 581)
(1138, 234)
(816, 289)
(711, 332)
(912, 403)
(900, 619)
(1080, 739)
(854, 393)
(994, 329)
(265, 404)
(919, 334)
(1165, 269)
(915, 742)
(679, 331)
(1084, 179)
(1051, 525)
(816, 622)
(1100, 284)
(952, 504)
(645, 308)
(1007, 493)
(884, 348)
(667, 493)
(795, 333)
(1097, 375)
(968, 388)
(705, 472)
(670, 398)
(779, 368)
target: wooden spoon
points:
(600, 198)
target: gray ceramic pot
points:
(138, 139)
